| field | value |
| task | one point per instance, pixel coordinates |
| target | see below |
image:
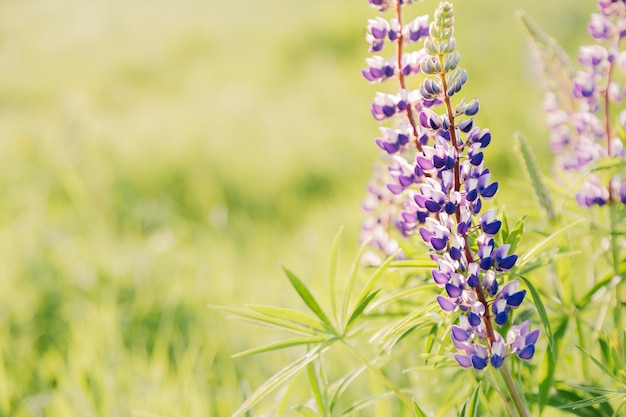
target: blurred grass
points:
(160, 155)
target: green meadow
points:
(158, 156)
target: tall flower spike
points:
(396, 172)
(581, 123)
(446, 208)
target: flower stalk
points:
(442, 184)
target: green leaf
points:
(399, 295)
(360, 308)
(367, 402)
(418, 411)
(392, 334)
(293, 316)
(470, 408)
(366, 290)
(543, 315)
(533, 171)
(550, 361)
(305, 410)
(504, 229)
(599, 289)
(600, 365)
(339, 387)
(316, 386)
(282, 344)
(414, 263)
(278, 379)
(564, 398)
(526, 257)
(332, 273)
(306, 296)
(262, 319)
(608, 163)
(515, 236)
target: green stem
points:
(615, 255)
(581, 342)
(515, 396)
(377, 372)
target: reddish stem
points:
(409, 107)
(457, 186)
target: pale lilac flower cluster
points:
(436, 167)
(581, 126)
(399, 142)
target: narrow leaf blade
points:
(306, 296)
(279, 378)
(543, 315)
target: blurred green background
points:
(160, 155)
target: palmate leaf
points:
(306, 296)
(279, 378)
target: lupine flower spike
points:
(436, 166)
(449, 200)
(581, 126)
(398, 142)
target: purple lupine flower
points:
(580, 125)
(416, 29)
(377, 30)
(436, 182)
(449, 196)
(397, 142)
